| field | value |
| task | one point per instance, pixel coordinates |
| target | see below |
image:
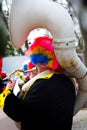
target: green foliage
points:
(3, 41)
(10, 50)
(5, 45)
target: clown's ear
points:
(39, 14)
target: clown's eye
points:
(30, 42)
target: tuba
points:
(56, 19)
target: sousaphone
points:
(27, 15)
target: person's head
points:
(41, 54)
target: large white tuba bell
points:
(27, 15)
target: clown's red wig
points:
(42, 51)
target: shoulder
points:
(62, 78)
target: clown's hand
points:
(11, 85)
(3, 96)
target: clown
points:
(52, 16)
(48, 95)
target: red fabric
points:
(3, 74)
(0, 64)
(30, 65)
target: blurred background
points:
(78, 13)
(12, 58)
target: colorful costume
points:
(49, 97)
(53, 17)
(49, 104)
